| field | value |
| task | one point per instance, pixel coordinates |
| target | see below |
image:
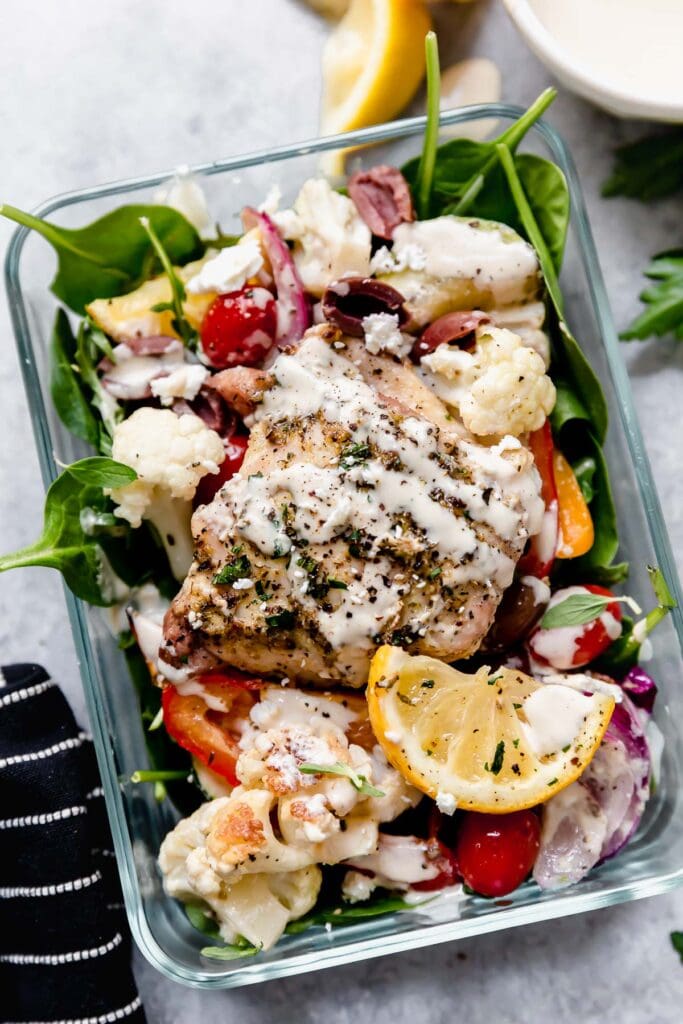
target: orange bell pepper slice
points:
(576, 526)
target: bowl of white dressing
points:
(624, 55)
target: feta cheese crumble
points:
(229, 270)
(382, 334)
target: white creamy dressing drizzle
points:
(558, 645)
(327, 500)
(634, 45)
(131, 376)
(280, 707)
(539, 588)
(492, 256)
(582, 681)
(554, 718)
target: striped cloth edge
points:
(64, 940)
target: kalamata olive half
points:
(382, 197)
(349, 300)
(459, 326)
(523, 604)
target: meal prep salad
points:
(351, 513)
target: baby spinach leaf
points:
(624, 652)
(677, 943)
(649, 168)
(546, 188)
(230, 952)
(663, 313)
(67, 386)
(199, 916)
(64, 543)
(350, 913)
(584, 471)
(112, 255)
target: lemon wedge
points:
(492, 741)
(373, 62)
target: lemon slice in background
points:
(493, 741)
(373, 63)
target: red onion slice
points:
(293, 311)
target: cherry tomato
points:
(209, 485)
(540, 555)
(496, 852)
(211, 735)
(445, 861)
(565, 647)
(239, 328)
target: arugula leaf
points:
(359, 782)
(112, 255)
(349, 914)
(64, 543)
(663, 301)
(230, 952)
(425, 171)
(649, 168)
(66, 385)
(178, 294)
(677, 943)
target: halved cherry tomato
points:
(239, 327)
(496, 852)
(209, 485)
(576, 526)
(565, 647)
(207, 733)
(444, 859)
(540, 555)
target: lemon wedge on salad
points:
(373, 63)
(493, 742)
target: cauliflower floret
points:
(330, 237)
(170, 454)
(256, 906)
(500, 388)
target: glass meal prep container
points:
(651, 863)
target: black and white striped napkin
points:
(64, 941)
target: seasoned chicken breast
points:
(363, 514)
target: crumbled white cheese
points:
(243, 584)
(382, 334)
(185, 382)
(446, 802)
(229, 270)
(393, 261)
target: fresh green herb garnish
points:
(237, 569)
(649, 168)
(663, 313)
(433, 573)
(623, 653)
(335, 584)
(178, 295)
(112, 255)
(353, 455)
(64, 543)
(281, 620)
(576, 610)
(498, 758)
(358, 781)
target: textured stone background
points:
(90, 92)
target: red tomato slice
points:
(540, 555)
(239, 327)
(209, 734)
(209, 485)
(583, 645)
(447, 864)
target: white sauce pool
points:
(634, 45)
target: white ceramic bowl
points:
(586, 81)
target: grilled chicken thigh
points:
(363, 514)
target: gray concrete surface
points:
(90, 92)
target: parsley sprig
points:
(358, 781)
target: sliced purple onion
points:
(348, 301)
(641, 688)
(596, 816)
(154, 345)
(293, 310)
